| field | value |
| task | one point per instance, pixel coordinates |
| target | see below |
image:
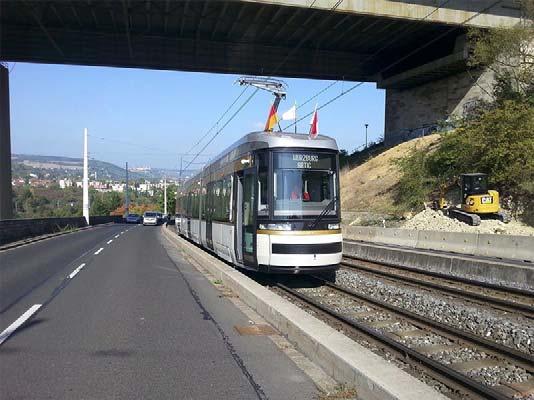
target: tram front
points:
(299, 209)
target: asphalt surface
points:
(135, 322)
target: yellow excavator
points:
(476, 201)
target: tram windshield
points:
(304, 184)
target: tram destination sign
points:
(303, 160)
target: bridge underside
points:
(227, 37)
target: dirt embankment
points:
(369, 186)
(368, 191)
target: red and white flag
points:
(314, 124)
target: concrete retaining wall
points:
(517, 275)
(501, 246)
(12, 230)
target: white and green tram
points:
(269, 203)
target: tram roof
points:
(265, 140)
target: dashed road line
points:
(109, 241)
(98, 251)
(73, 273)
(116, 236)
(20, 320)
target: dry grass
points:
(370, 186)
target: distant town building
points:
(35, 182)
(18, 182)
(65, 183)
(140, 169)
(117, 187)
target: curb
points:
(340, 357)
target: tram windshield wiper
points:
(318, 219)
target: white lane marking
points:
(122, 232)
(109, 241)
(116, 236)
(98, 251)
(73, 273)
(20, 320)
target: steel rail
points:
(448, 372)
(508, 304)
(467, 336)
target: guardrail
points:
(12, 230)
(476, 244)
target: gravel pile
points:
(431, 220)
(515, 332)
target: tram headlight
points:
(275, 227)
(333, 226)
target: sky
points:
(150, 117)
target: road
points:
(123, 315)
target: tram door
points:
(238, 196)
(249, 217)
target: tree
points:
(509, 54)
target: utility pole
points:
(165, 196)
(85, 180)
(180, 178)
(366, 125)
(126, 199)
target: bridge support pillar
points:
(6, 200)
(417, 110)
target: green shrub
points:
(500, 143)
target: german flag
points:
(272, 120)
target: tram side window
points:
(222, 196)
(263, 183)
(227, 193)
(218, 206)
(188, 208)
(203, 202)
(193, 205)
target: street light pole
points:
(366, 125)
(165, 196)
(85, 180)
(126, 198)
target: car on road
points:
(151, 218)
(133, 219)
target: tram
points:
(269, 203)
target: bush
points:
(415, 183)
(500, 143)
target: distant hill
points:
(66, 167)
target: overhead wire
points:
(397, 61)
(301, 42)
(161, 151)
(219, 120)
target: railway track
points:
(513, 300)
(400, 330)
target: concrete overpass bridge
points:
(416, 50)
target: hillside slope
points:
(369, 186)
